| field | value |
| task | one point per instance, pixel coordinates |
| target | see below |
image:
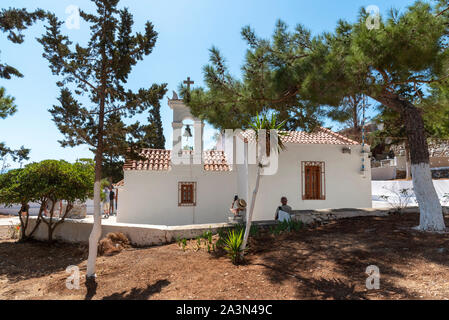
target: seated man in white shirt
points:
(284, 211)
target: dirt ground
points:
(325, 262)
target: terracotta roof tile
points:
(160, 160)
(319, 136)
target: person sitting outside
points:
(281, 210)
(241, 206)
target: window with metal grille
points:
(187, 194)
(313, 180)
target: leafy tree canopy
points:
(48, 180)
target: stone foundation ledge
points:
(141, 235)
(78, 231)
(326, 215)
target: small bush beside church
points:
(49, 183)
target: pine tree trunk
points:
(96, 229)
(249, 218)
(431, 214)
(355, 115)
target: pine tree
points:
(393, 64)
(116, 149)
(99, 71)
(7, 105)
(436, 105)
(269, 84)
(126, 141)
(350, 115)
(154, 131)
(394, 131)
(13, 22)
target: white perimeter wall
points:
(151, 197)
(386, 173)
(345, 186)
(392, 189)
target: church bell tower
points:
(181, 112)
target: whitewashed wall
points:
(345, 186)
(383, 173)
(152, 197)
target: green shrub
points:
(45, 182)
(207, 235)
(222, 233)
(254, 231)
(232, 245)
(286, 226)
(184, 244)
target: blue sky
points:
(187, 29)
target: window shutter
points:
(187, 194)
(313, 181)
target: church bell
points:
(188, 132)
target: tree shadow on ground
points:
(91, 288)
(322, 288)
(139, 293)
(329, 262)
(33, 259)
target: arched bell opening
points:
(188, 135)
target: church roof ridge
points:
(320, 135)
(160, 160)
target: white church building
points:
(318, 170)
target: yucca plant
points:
(262, 124)
(233, 245)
